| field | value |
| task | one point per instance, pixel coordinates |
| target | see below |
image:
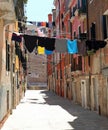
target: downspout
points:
(60, 53)
(70, 25)
(59, 16)
(88, 55)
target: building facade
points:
(97, 26)
(82, 78)
(12, 69)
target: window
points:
(13, 67)
(17, 81)
(7, 56)
(93, 31)
(83, 2)
(74, 34)
(79, 31)
(78, 4)
(83, 6)
(68, 25)
(73, 65)
(104, 25)
(61, 74)
(74, 9)
(79, 66)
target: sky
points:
(38, 10)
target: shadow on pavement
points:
(86, 119)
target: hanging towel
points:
(48, 43)
(82, 47)
(43, 24)
(94, 45)
(47, 52)
(30, 42)
(61, 45)
(32, 22)
(16, 37)
(41, 50)
(38, 24)
(50, 24)
(72, 46)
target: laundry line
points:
(60, 45)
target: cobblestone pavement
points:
(44, 110)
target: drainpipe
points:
(70, 24)
(59, 16)
(60, 53)
(88, 55)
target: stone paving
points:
(44, 110)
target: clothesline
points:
(57, 31)
(22, 33)
(62, 45)
(46, 45)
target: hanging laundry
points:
(38, 24)
(30, 42)
(72, 46)
(53, 23)
(20, 56)
(48, 43)
(32, 22)
(47, 52)
(50, 24)
(43, 24)
(46, 24)
(82, 47)
(23, 61)
(93, 45)
(61, 45)
(16, 37)
(41, 50)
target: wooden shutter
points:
(93, 31)
(7, 56)
(104, 26)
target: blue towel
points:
(72, 46)
(48, 52)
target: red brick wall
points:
(95, 11)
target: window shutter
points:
(104, 26)
(93, 31)
(80, 62)
(7, 56)
(78, 4)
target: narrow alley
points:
(44, 110)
